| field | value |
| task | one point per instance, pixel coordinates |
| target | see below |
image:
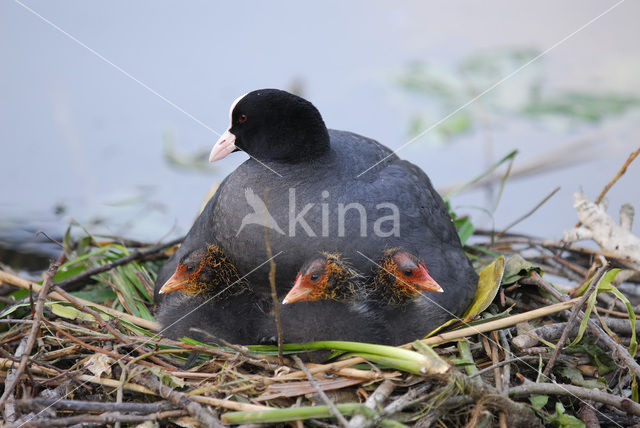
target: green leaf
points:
(538, 401)
(605, 286)
(508, 157)
(465, 229)
(576, 378)
(517, 268)
(562, 420)
(167, 378)
(96, 293)
(489, 279)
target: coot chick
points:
(330, 317)
(394, 293)
(207, 293)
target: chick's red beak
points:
(425, 281)
(178, 281)
(300, 291)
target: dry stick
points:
(135, 254)
(495, 358)
(96, 349)
(411, 397)
(101, 420)
(506, 375)
(572, 319)
(617, 349)
(532, 388)
(22, 283)
(332, 407)
(622, 170)
(9, 408)
(180, 400)
(528, 213)
(35, 328)
(37, 404)
(374, 401)
(84, 308)
(274, 294)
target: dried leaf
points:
(98, 364)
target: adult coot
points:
(303, 183)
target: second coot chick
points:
(331, 317)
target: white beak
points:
(224, 146)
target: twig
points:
(9, 408)
(622, 170)
(274, 294)
(531, 388)
(332, 407)
(101, 420)
(408, 399)
(72, 282)
(506, 373)
(35, 328)
(180, 400)
(374, 401)
(497, 324)
(528, 213)
(572, 318)
(84, 308)
(37, 404)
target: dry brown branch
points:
(332, 407)
(374, 402)
(573, 317)
(621, 403)
(100, 420)
(37, 404)
(180, 400)
(35, 328)
(613, 181)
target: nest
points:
(80, 349)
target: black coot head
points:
(270, 124)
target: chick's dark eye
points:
(315, 277)
(242, 118)
(190, 268)
(407, 272)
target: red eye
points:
(242, 118)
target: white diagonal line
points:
(138, 81)
(120, 69)
(495, 85)
(422, 295)
(158, 333)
